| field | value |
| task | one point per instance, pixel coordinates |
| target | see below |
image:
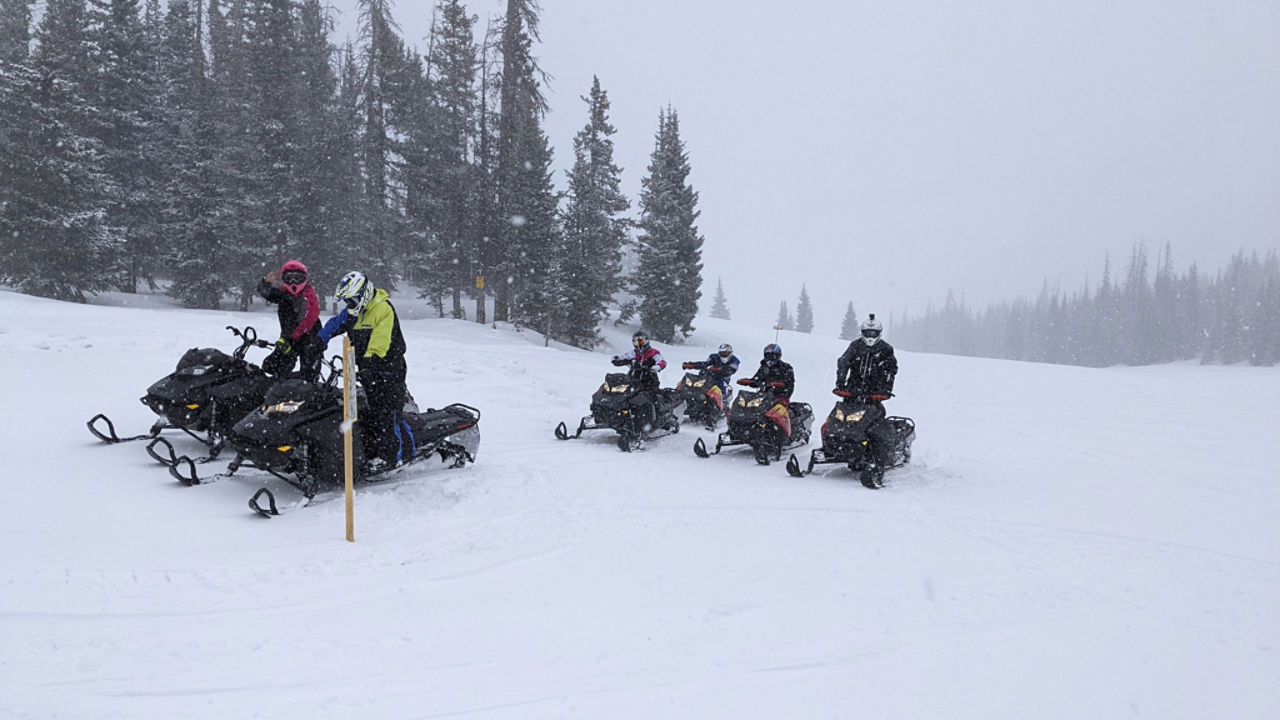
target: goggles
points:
(293, 277)
(870, 333)
(640, 342)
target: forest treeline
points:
(1140, 318)
(195, 145)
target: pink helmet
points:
(293, 276)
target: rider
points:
(780, 379)
(299, 311)
(774, 374)
(720, 366)
(867, 368)
(370, 319)
(645, 362)
(867, 371)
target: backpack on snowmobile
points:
(633, 405)
(203, 397)
(704, 402)
(854, 425)
(758, 419)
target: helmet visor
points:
(870, 332)
(725, 354)
(352, 302)
(640, 341)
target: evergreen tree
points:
(55, 243)
(523, 241)
(447, 261)
(784, 321)
(720, 306)
(849, 325)
(804, 312)
(669, 273)
(382, 77)
(127, 96)
(594, 229)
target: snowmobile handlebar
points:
(877, 397)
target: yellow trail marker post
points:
(348, 428)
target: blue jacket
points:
(719, 370)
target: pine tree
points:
(594, 230)
(849, 325)
(127, 96)
(55, 243)
(448, 259)
(720, 306)
(669, 273)
(804, 312)
(524, 240)
(784, 321)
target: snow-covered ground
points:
(1068, 543)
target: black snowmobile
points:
(296, 435)
(703, 401)
(848, 433)
(204, 397)
(622, 403)
(757, 419)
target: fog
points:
(887, 153)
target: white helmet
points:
(871, 330)
(726, 351)
(355, 291)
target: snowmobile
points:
(847, 433)
(757, 419)
(296, 435)
(704, 402)
(203, 397)
(623, 404)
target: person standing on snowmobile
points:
(299, 311)
(645, 362)
(370, 319)
(774, 375)
(867, 371)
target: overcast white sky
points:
(887, 152)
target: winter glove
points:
(283, 346)
(621, 361)
(648, 362)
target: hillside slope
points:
(1068, 542)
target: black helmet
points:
(772, 353)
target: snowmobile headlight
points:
(755, 402)
(854, 416)
(616, 388)
(700, 383)
(286, 406)
(195, 370)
